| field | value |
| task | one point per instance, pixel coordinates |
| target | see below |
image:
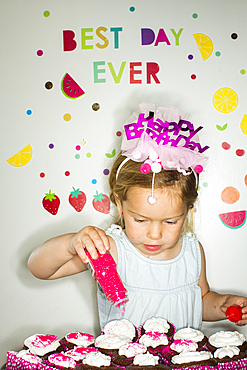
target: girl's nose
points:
(154, 232)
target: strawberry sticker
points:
(101, 203)
(51, 202)
(77, 199)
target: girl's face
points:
(154, 229)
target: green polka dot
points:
(77, 156)
(205, 184)
(218, 53)
(46, 13)
(243, 71)
(195, 15)
(88, 155)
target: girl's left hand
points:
(237, 300)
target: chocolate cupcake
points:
(178, 346)
(127, 353)
(194, 359)
(43, 345)
(230, 357)
(109, 344)
(191, 334)
(79, 353)
(157, 324)
(96, 361)
(224, 338)
(155, 342)
(60, 361)
(147, 361)
(121, 327)
(76, 339)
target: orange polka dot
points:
(230, 195)
(245, 180)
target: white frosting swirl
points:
(40, 344)
(111, 341)
(79, 353)
(153, 339)
(224, 338)
(97, 359)
(146, 359)
(29, 357)
(186, 357)
(157, 324)
(121, 327)
(132, 349)
(80, 339)
(228, 351)
(59, 359)
(180, 345)
(189, 334)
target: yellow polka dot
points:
(67, 117)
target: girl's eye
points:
(171, 222)
(139, 221)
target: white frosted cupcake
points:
(191, 334)
(227, 338)
(194, 359)
(127, 353)
(121, 327)
(109, 344)
(154, 341)
(230, 357)
(76, 339)
(146, 361)
(42, 345)
(61, 361)
(158, 325)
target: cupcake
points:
(147, 361)
(191, 334)
(42, 345)
(127, 353)
(121, 327)
(95, 361)
(109, 344)
(157, 324)
(154, 341)
(224, 338)
(194, 359)
(76, 339)
(23, 360)
(60, 361)
(230, 357)
(178, 346)
(79, 353)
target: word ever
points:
(159, 130)
(70, 44)
(151, 71)
(148, 36)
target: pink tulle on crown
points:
(163, 139)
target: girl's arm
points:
(215, 304)
(65, 255)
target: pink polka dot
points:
(226, 146)
(40, 53)
(198, 168)
(78, 147)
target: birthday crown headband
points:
(162, 139)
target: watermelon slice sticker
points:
(233, 220)
(70, 88)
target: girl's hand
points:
(242, 302)
(91, 238)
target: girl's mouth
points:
(152, 248)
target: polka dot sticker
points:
(40, 53)
(106, 171)
(194, 15)
(77, 156)
(218, 53)
(94, 181)
(67, 117)
(88, 155)
(132, 9)
(51, 146)
(29, 112)
(48, 85)
(190, 56)
(95, 106)
(225, 145)
(42, 174)
(67, 173)
(230, 195)
(193, 76)
(46, 13)
(242, 71)
(234, 36)
(84, 142)
(245, 180)
(78, 147)
(205, 184)
(119, 133)
(240, 152)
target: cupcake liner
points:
(16, 363)
(233, 365)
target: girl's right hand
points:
(91, 238)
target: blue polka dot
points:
(94, 181)
(29, 112)
(132, 8)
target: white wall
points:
(28, 305)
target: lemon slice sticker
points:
(243, 124)
(225, 100)
(204, 44)
(22, 157)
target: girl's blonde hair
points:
(174, 182)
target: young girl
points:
(153, 183)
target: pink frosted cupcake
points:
(23, 360)
(230, 357)
(109, 344)
(127, 353)
(42, 345)
(154, 341)
(77, 339)
(121, 327)
(60, 361)
(79, 353)
(191, 334)
(194, 360)
(159, 325)
(178, 346)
